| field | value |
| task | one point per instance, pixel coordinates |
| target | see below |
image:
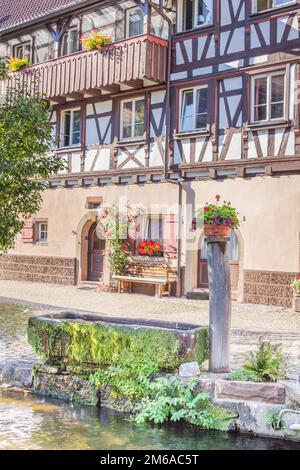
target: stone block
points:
(250, 391)
(292, 390)
(189, 369)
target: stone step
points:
(198, 294)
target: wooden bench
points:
(160, 275)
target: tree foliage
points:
(26, 161)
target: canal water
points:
(32, 422)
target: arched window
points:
(232, 248)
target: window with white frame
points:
(196, 13)
(262, 5)
(268, 97)
(42, 231)
(134, 22)
(133, 118)
(22, 50)
(194, 109)
(71, 127)
(70, 41)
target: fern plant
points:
(268, 362)
(170, 400)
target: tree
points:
(27, 161)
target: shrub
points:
(170, 400)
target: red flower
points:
(149, 247)
(207, 209)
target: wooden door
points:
(96, 254)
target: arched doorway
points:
(234, 263)
(96, 255)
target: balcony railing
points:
(127, 62)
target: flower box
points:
(216, 230)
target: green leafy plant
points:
(267, 364)
(26, 161)
(296, 284)
(3, 69)
(217, 214)
(275, 420)
(170, 400)
(117, 229)
(244, 375)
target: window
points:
(261, 5)
(42, 231)
(22, 50)
(194, 104)
(70, 41)
(134, 22)
(133, 119)
(70, 123)
(197, 13)
(268, 97)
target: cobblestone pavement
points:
(249, 322)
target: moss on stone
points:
(83, 343)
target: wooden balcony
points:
(127, 62)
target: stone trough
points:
(95, 341)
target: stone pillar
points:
(219, 304)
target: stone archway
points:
(82, 248)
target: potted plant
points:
(94, 40)
(296, 288)
(14, 64)
(218, 218)
(150, 248)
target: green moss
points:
(78, 343)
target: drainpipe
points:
(159, 10)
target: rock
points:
(189, 369)
(292, 390)
(66, 387)
(250, 391)
(22, 377)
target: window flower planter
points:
(216, 230)
(94, 40)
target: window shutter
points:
(28, 231)
(170, 238)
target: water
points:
(31, 422)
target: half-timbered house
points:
(191, 98)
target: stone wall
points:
(268, 288)
(54, 270)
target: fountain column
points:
(219, 304)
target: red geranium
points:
(150, 248)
